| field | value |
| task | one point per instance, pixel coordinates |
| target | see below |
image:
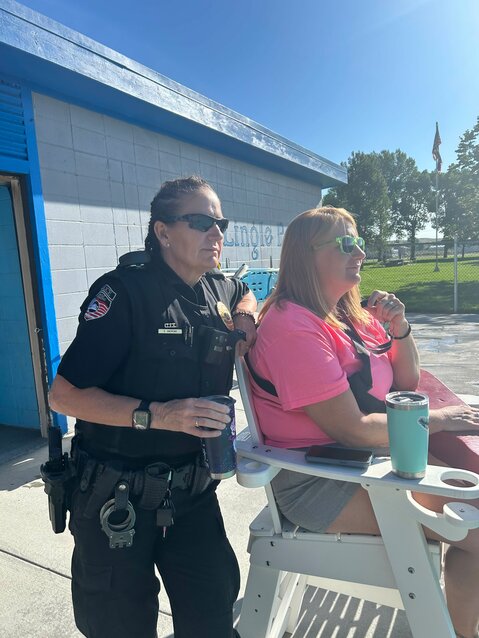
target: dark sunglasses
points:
(200, 221)
(346, 243)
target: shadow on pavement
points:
(21, 454)
(15, 442)
(21, 470)
(325, 614)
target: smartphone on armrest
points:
(338, 455)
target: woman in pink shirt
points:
(322, 392)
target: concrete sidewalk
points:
(35, 563)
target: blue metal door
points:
(18, 396)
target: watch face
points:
(141, 419)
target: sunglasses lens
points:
(347, 244)
(204, 222)
(200, 222)
(222, 224)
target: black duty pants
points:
(115, 591)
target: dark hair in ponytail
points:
(166, 202)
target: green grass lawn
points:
(423, 290)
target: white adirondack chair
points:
(399, 569)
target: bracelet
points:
(244, 313)
(406, 334)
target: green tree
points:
(468, 150)
(460, 206)
(365, 196)
(409, 192)
(460, 191)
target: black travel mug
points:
(219, 452)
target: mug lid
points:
(406, 400)
(221, 398)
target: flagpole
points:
(436, 268)
(437, 158)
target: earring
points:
(168, 245)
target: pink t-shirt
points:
(308, 361)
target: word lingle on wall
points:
(254, 236)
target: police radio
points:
(216, 343)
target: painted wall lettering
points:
(268, 236)
(253, 242)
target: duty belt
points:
(151, 484)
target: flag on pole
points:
(436, 155)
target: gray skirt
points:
(311, 501)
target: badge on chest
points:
(225, 315)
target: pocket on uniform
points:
(169, 348)
(90, 578)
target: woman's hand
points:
(457, 418)
(387, 308)
(190, 416)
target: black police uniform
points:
(142, 334)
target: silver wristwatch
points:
(141, 417)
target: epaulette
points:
(215, 274)
(135, 259)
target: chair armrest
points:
(258, 464)
(251, 473)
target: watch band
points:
(144, 405)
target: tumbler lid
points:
(221, 398)
(406, 400)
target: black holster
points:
(58, 477)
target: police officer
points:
(152, 340)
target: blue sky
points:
(332, 76)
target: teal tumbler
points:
(408, 418)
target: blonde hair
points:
(297, 280)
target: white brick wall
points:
(99, 176)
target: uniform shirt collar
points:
(168, 275)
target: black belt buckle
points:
(182, 477)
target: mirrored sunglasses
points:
(346, 243)
(201, 222)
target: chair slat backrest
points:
(244, 385)
(247, 399)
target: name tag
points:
(170, 331)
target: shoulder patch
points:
(100, 304)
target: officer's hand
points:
(190, 416)
(248, 325)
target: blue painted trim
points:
(48, 55)
(12, 165)
(40, 251)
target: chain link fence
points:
(427, 277)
